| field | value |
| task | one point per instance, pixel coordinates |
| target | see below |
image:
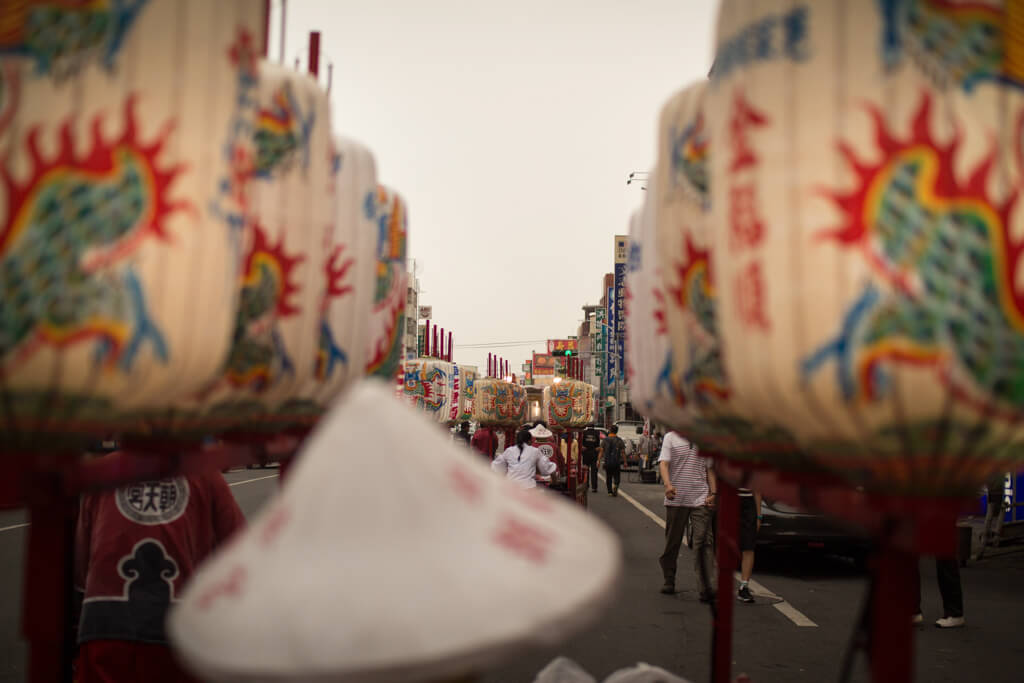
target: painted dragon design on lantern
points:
(258, 357)
(950, 264)
(703, 377)
(59, 36)
(425, 387)
(67, 246)
(388, 210)
(956, 44)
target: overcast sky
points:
(510, 128)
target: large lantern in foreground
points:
(121, 207)
(865, 179)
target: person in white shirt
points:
(522, 462)
(690, 488)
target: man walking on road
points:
(613, 451)
(750, 524)
(591, 443)
(689, 496)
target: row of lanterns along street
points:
(826, 292)
(188, 250)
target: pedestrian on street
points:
(135, 549)
(485, 442)
(463, 432)
(994, 512)
(690, 488)
(948, 571)
(591, 443)
(521, 463)
(613, 452)
(750, 524)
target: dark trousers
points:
(612, 473)
(703, 544)
(947, 570)
(593, 475)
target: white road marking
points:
(247, 481)
(14, 526)
(790, 612)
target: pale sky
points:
(510, 128)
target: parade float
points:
(569, 408)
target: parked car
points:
(784, 526)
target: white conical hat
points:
(437, 569)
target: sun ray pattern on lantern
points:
(946, 262)
(59, 36)
(69, 238)
(689, 158)
(962, 44)
(329, 354)
(258, 356)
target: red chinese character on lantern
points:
(750, 297)
(745, 226)
(743, 118)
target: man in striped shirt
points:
(689, 496)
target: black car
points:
(784, 526)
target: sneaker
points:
(917, 619)
(950, 622)
(743, 594)
(610, 493)
(668, 589)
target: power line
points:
(501, 344)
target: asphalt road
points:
(800, 635)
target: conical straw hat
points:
(437, 569)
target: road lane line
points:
(247, 481)
(790, 612)
(794, 615)
(14, 526)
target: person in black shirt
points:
(589, 444)
(613, 451)
(463, 432)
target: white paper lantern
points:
(499, 403)
(428, 387)
(467, 393)
(282, 280)
(348, 264)
(488, 580)
(120, 207)
(387, 319)
(570, 405)
(691, 390)
(864, 179)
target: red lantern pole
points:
(449, 347)
(433, 354)
(426, 338)
(314, 53)
(488, 366)
(266, 28)
(728, 557)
